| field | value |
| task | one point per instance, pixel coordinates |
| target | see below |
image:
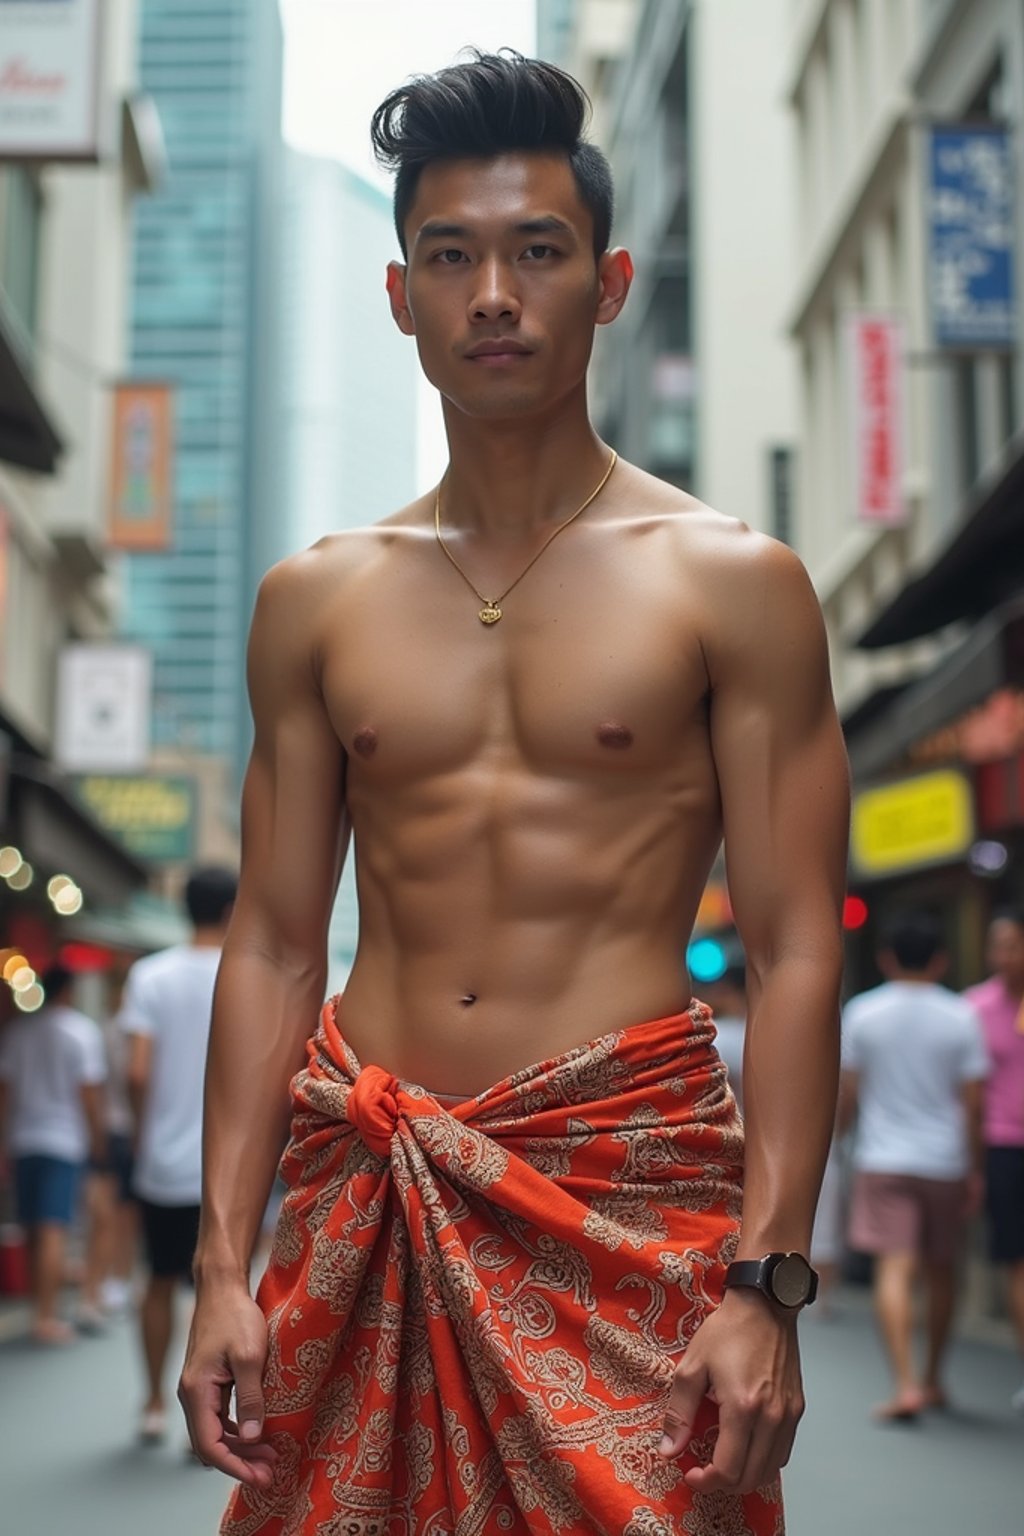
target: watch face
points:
(791, 1280)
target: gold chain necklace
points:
(490, 613)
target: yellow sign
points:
(153, 815)
(924, 820)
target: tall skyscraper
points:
(200, 303)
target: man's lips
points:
(498, 347)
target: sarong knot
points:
(373, 1108)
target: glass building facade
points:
(214, 69)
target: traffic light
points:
(705, 960)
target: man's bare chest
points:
(591, 670)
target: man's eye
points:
(449, 258)
(538, 252)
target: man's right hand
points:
(227, 1348)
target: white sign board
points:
(104, 700)
(49, 65)
(874, 344)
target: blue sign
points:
(971, 221)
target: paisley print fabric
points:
(475, 1311)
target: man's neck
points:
(207, 938)
(512, 477)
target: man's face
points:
(1006, 952)
(502, 289)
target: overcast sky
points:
(341, 59)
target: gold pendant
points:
(491, 614)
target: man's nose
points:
(495, 296)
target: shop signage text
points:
(924, 820)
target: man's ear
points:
(614, 277)
(395, 283)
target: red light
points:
(855, 912)
(85, 957)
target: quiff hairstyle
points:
(491, 104)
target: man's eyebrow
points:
(548, 224)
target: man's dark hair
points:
(492, 104)
(55, 978)
(208, 894)
(1013, 915)
(915, 938)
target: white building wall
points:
(79, 353)
(743, 229)
(864, 77)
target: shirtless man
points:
(537, 800)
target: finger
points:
(689, 1387)
(247, 1371)
(262, 1450)
(203, 1403)
(732, 1449)
(762, 1461)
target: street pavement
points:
(68, 1463)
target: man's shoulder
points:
(157, 967)
(720, 540)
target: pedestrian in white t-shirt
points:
(52, 1068)
(914, 1066)
(165, 1012)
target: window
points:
(21, 213)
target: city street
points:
(68, 1462)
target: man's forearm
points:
(791, 1073)
(263, 1014)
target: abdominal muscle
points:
(496, 932)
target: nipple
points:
(610, 734)
(365, 741)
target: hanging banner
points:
(874, 345)
(971, 237)
(141, 491)
(49, 87)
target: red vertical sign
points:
(875, 347)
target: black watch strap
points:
(785, 1278)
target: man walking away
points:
(999, 1003)
(51, 1102)
(914, 1065)
(165, 1012)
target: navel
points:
(365, 741)
(618, 737)
(468, 999)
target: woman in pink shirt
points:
(1000, 1005)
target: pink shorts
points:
(901, 1213)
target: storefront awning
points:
(992, 657)
(980, 566)
(27, 435)
(57, 835)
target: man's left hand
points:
(746, 1358)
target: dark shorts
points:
(119, 1165)
(45, 1189)
(170, 1233)
(1004, 1198)
(901, 1213)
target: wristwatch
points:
(785, 1278)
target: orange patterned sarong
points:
(475, 1312)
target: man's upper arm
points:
(294, 822)
(779, 754)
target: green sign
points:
(152, 814)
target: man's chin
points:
(499, 404)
